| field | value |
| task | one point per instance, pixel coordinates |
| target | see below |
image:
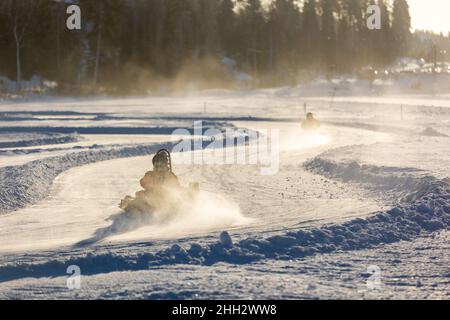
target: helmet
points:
(309, 116)
(161, 161)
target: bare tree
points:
(99, 41)
(20, 15)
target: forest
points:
(133, 46)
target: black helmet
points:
(162, 161)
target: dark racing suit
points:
(161, 190)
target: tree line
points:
(132, 45)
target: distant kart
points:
(310, 124)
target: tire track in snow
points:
(424, 208)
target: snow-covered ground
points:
(359, 209)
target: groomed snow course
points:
(424, 207)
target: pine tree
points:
(344, 43)
(210, 28)
(100, 40)
(310, 34)
(401, 27)
(285, 26)
(382, 43)
(173, 41)
(356, 10)
(226, 26)
(20, 22)
(251, 25)
(328, 37)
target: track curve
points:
(82, 199)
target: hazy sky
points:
(431, 15)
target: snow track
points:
(426, 209)
(366, 183)
(83, 198)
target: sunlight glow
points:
(433, 15)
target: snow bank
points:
(430, 132)
(400, 181)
